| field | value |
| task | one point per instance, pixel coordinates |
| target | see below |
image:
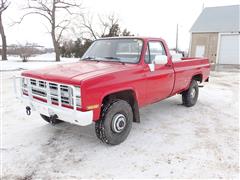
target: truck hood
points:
(74, 73)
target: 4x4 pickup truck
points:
(113, 79)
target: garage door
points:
(229, 49)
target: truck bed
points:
(186, 68)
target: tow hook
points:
(28, 110)
(52, 119)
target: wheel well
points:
(130, 97)
(198, 77)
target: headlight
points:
(24, 86)
(78, 96)
(24, 82)
(78, 92)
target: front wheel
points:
(116, 122)
(190, 96)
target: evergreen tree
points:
(77, 48)
(113, 31)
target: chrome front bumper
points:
(71, 115)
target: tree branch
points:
(61, 2)
(88, 25)
(4, 5)
(61, 31)
(34, 12)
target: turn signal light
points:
(95, 106)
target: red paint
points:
(40, 99)
(99, 79)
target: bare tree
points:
(106, 25)
(87, 26)
(3, 6)
(26, 51)
(49, 9)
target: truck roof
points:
(132, 37)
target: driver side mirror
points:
(160, 59)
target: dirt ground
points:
(171, 141)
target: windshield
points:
(122, 50)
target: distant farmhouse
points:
(216, 35)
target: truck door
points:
(159, 72)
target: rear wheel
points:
(190, 96)
(115, 123)
(46, 118)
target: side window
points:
(156, 49)
(147, 56)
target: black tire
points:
(115, 123)
(190, 96)
(46, 118)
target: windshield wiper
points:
(91, 58)
(116, 59)
(111, 57)
(88, 58)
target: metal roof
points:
(218, 19)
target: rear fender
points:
(195, 74)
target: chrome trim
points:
(64, 94)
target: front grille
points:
(40, 89)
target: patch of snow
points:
(172, 141)
(40, 61)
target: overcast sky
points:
(155, 18)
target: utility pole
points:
(177, 40)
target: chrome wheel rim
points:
(193, 93)
(118, 123)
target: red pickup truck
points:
(113, 79)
